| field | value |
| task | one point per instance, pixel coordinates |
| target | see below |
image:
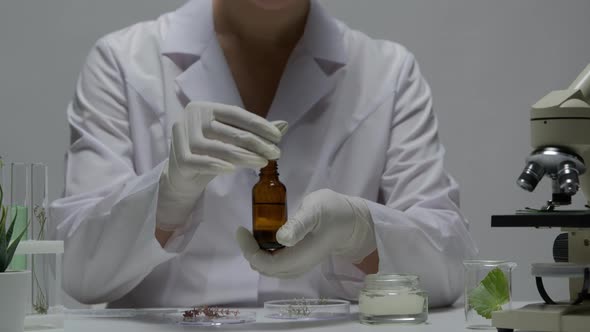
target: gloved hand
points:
(211, 139)
(327, 223)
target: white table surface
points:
(439, 320)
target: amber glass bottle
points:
(269, 207)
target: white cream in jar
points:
(392, 298)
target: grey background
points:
(487, 62)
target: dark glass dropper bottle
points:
(269, 207)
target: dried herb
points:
(40, 215)
(208, 312)
(301, 307)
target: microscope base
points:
(544, 318)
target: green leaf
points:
(12, 248)
(3, 216)
(3, 244)
(11, 228)
(3, 222)
(492, 292)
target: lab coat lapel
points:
(209, 79)
(309, 75)
(192, 45)
(313, 68)
(303, 84)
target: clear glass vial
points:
(392, 298)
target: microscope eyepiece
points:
(530, 176)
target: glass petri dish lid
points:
(307, 309)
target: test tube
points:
(39, 264)
(18, 201)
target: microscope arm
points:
(577, 95)
(582, 83)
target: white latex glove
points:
(209, 140)
(327, 223)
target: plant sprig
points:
(7, 248)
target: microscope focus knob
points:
(560, 248)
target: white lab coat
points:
(361, 123)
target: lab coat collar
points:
(323, 38)
(191, 31)
(192, 46)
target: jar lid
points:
(391, 281)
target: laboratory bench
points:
(450, 319)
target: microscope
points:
(560, 136)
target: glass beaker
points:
(488, 288)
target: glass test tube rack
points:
(44, 260)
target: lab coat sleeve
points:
(419, 228)
(418, 225)
(107, 215)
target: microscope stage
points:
(532, 218)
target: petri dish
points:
(307, 309)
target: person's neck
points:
(250, 25)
